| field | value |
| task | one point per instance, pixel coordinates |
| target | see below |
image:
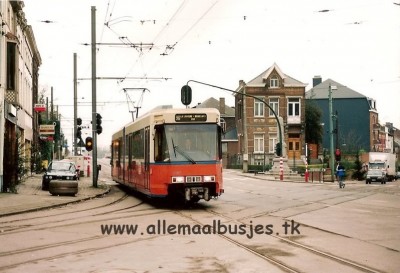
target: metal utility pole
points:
(245, 139)
(47, 108)
(52, 104)
(337, 129)
(52, 119)
(94, 125)
(332, 156)
(75, 144)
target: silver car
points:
(61, 177)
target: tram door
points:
(147, 157)
(126, 161)
(122, 156)
(129, 175)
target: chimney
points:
(316, 80)
(222, 105)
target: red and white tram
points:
(171, 152)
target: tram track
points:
(120, 199)
(83, 245)
(276, 261)
(39, 252)
(65, 218)
(71, 243)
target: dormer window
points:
(274, 82)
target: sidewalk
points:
(30, 196)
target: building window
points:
(274, 82)
(223, 125)
(11, 66)
(274, 104)
(294, 107)
(273, 139)
(258, 143)
(258, 107)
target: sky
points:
(159, 45)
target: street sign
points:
(47, 138)
(39, 107)
(46, 129)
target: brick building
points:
(257, 128)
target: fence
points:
(259, 162)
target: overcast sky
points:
(354, 42)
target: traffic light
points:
(186, 95)
(99, 129)
(338, 154)
(79, 128)
(278, 149)
(79, 132)
(89, 144)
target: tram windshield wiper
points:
(181, 152)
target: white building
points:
(19, 62)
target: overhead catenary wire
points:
(173, 18)
(110, 21)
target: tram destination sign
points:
(190, 117)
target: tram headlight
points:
(178, 179)
(209, 178)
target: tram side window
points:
(116, 153)
(126, 150)
(161, 153)
(138, 145)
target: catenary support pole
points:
(94, 134)
(331, 157)
(75, 109)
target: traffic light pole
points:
(94, 111)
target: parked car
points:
(61, 177)
(398, 175)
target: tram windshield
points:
(187, 142)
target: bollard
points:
(306, 174)
(88, 170)
(281, 169)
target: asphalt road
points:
(258, 225)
